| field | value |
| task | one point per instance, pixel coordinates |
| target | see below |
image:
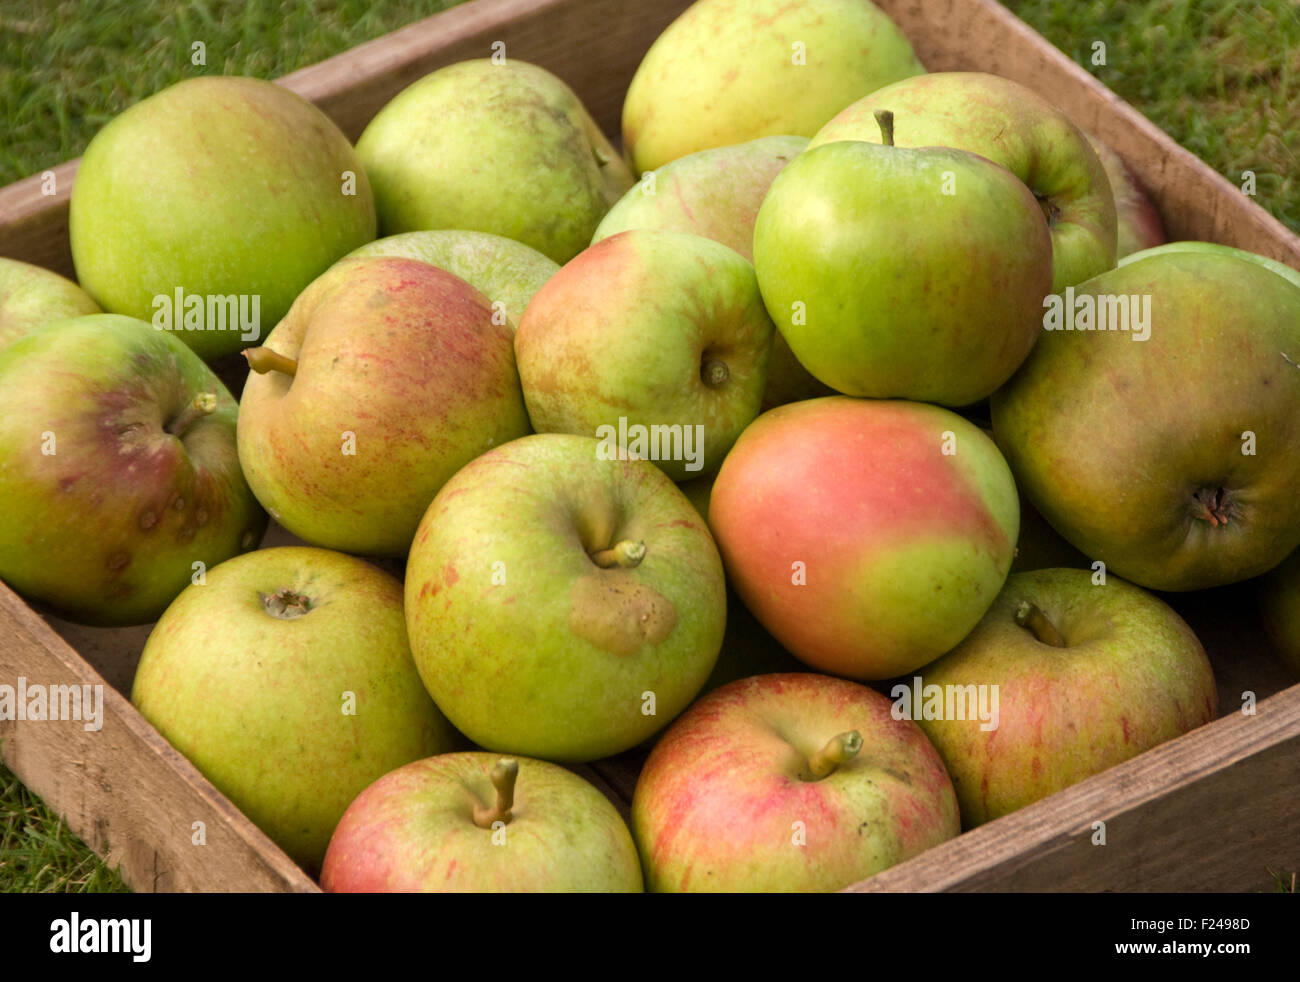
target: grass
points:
(1222, 77)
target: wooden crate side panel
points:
(123, 789)
(1214, 810)
(1194, 201)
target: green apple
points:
(909, 273)
(1076, 678)
(118, 469)
(1170, 459)
(384, 379)
(867, 536)
(208, 207)
(478, 823)
(788, 783)
(1214, 248)
(716, 193)
(1279, 601)
(725, 72)
(508, 273)
(1137, 221)
(31, 297)
(1012, 126)
(504, 148)
(656, 342)
(562, 605)
(287, 680)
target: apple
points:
(1012, 126)
(716, 193)
(560, 604)
(384, 379)
(31, 297)
(286, 678)
(793, 782)
(656, 342)
(1214, 248)
(208, 207)
(118, 469)
(867, 536)
(1170, 459)
(1077, 677)
(1137, 221)
(1279, 602)
(477, 823)
(725, 73)
(508, 273)
(503, 148)
(886, 286)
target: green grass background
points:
(1222, 77)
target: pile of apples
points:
(704, 448)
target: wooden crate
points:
(1213, 810)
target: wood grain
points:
(1214, 810)
(123, 789)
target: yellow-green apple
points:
(507, 272)
(118, 469)
(1279, 601)
(1214, 248)
(478, 823)
(867, 536)
(1080, 676)
(207, 208)
(384, 379)
(887, 285)
(31, 297)
(654, 341)
(716, 193)
(726, 72)
(1013, 126)
(286, 678)
(1137, 221)
(1165, 444)
(790, 782)
(562, 605)
(503, 148)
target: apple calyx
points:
(1211, 505)
(503, 778)
(286, 604)
(885, 120)
(713, 373)
(1035, 621)
(626, 554)
(263, 360)
(839, 750)
(201, 405)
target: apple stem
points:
(839, 750)
(263, 360)
(1029, 616)
(503, 779)
(885, 119)
(201, 405)
(626, 554)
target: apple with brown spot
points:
(1087, 675)
(561, 605)
(868, 536)
(479, 823)
(118, 472)
(384, 379)
(794, 782)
